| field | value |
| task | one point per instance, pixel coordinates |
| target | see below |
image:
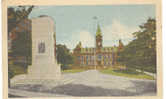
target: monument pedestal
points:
(44, 75)
(44, 68)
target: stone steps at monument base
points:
(24, 93)
(35, 81)
(54, 82)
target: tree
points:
(21, 46)
(141, 52)
(15, 16)
(64, 57)
(10, 75)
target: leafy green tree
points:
(141, 52)
(17, 14)
(64, 57)
(21, 46)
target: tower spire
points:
(98, 32)
(98, 37)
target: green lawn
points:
(73, 71)
(127, 73)
(17, 69)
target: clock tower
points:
(99, 45)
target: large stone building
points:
(99, 55)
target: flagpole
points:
(95, 18)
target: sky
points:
(77, 23)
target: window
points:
(105, 56)
(91, 57)
(79, 58)
(108, 62)
(99, 57)
(82, 57)
(82, 62)
(17, 28)
(87, 57)
(86, 62)
(105, 62)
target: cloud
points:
(86, 38)
(111, 34)
(116, 31)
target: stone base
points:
(44, 82)
(41, 71)
(45, 75)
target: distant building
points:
(97, 56)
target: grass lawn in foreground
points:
(73, 71)
(17, 69)
(127, 73)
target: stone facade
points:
(97, 56)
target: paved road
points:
(94, 83)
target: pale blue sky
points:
(76, 23)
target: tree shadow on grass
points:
(82, 90)
(77, 90)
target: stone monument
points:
(44, 68)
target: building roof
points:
(104, 49)
(107, 49)
(88, 50)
